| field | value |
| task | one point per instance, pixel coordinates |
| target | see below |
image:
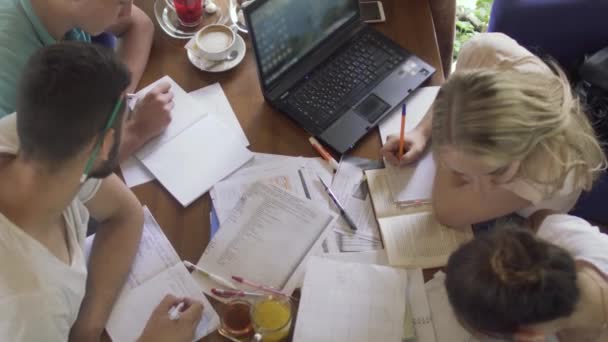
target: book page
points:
(266, 239)
(418, 240)
(132, 311)
(351, 302)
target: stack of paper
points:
(412, 236)
(185, 158)
(156, 272)
(296, 175)
(351, 302)
(266, 238)
(350, 186)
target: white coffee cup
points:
(215, 41)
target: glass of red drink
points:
(189, 12)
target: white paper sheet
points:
(418, 105)
(132, 311)
(185, 158)
(135, 173)
(351, 302)
(154, 253)
(191, 163)
(284, 174)
(215, 102)
(185, 113)
(155, 272)
(350, 186)
(412, 183)
(416, 295)
(294, 174)
(447, 327)
(267, 238)
(419, 305)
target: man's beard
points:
(108, 167)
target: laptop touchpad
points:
(371, 108)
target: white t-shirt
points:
(40, 295)
(488, 50)
(577, 236)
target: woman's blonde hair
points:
(504, 115)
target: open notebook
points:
(156, 271)
(412, 184)
(412, 236)
(196, 150)
(351, 302)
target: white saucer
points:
(202, 63)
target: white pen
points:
(212, 276)
(175, 311)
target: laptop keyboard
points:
(339, 84)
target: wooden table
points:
(408, 22)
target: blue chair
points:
(566, 30)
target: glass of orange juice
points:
(271, 317)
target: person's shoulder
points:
(563, 226)
(489, 50)
(16, 30)
(9, 140)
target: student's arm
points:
(415, 142)
(120, 218)
(135, 33)
(459, 204)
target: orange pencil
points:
(402, 136)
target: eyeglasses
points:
(91, 160)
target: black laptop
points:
(320, 64)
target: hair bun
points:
(514, 262)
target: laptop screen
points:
(286, 30)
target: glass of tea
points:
(189, 12)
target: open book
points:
(412, 236)
(156, 272)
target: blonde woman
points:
(508, 137)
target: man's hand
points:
(160, 328)
(415, 143)
(152, 114)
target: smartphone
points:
(372, 11)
